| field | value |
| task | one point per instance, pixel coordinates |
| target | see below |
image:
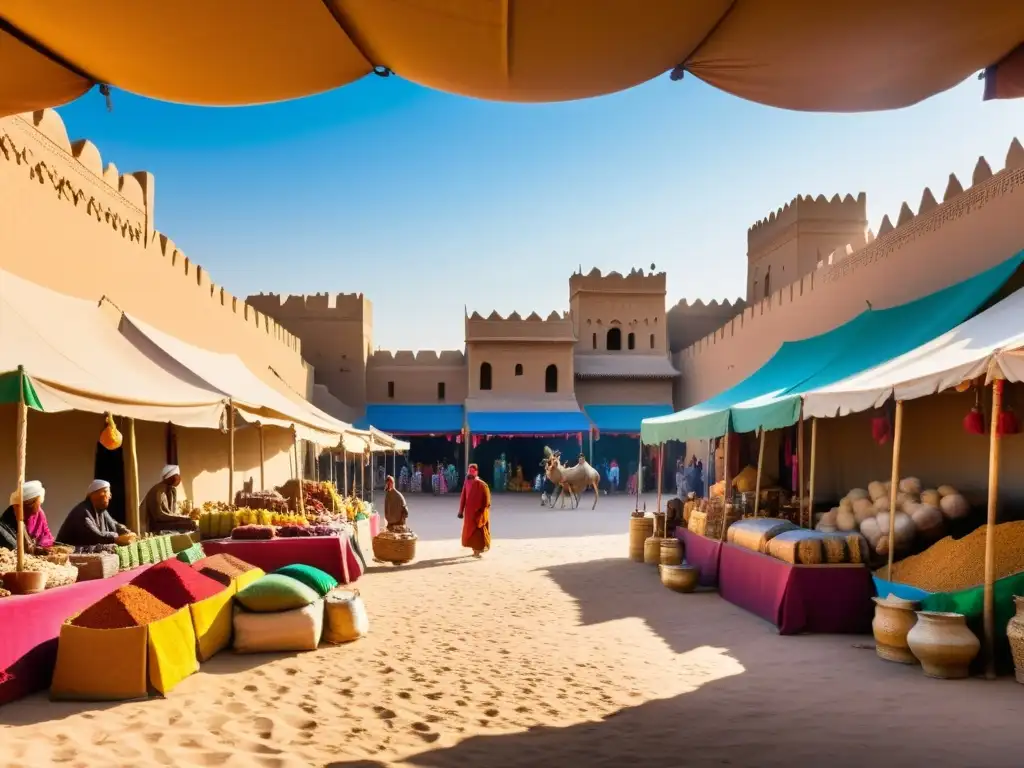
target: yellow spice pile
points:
(950, 565)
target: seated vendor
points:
(160, 506)
(37, 530)
(396, 511)
(90, 523)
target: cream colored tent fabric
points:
(77, 360)
(842, 55)
(254, 399)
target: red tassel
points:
(1007, 424)
(974, 422)
(880, 430)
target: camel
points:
(573, 479)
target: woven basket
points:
(101, 565)
(57, 558)
(397, 551)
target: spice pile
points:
(222, 567)
(56, 575)
(253, 532)
(176, 584)
(270, 500)
(127, 606)
(951, 564)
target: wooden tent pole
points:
(661, 455)
(231, 453)
(639, 472)
(22, 438)
(757, 482)
(800, 463)
(990, 532)
(263, 460)
(725, 487)
(344, 472)
(298, 471)
(131, 461)
(897, 439)
(810, 486)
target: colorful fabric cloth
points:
(36, 526)
(475, 508)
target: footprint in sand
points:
(290, 671)
(250, 689)
(263, 726)
(233, 708)
(491, 712)
(435, 696)
(384, 713)
(522, 710)
(404, 695)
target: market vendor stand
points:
(331, 554)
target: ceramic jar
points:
(671, 552)
(894, 618)
(1015, 633)
(944, 644)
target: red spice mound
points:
(127, 606)
(223, 568)
(176, 583)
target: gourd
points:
(882, 504)
(954, 506)
(857, 493)
(863, 509)
(947, 490)
(845, 521)
(930, 498)
(110, 437)
(876, 490)
(928, 520)
(911, 485)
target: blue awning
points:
(527, 422)
(398, 419)
(624, 419)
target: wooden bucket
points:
(652, 550)
(640, 529)
(671, 552)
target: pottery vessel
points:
(652, 550)
(1015, 633)
(680, 578)
(944, 644)
(894, 618)
(671, 552)
(640, 529)
(24, 582)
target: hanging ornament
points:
(974, 421)
(110, 437)
(1008, 424)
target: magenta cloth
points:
(701, 552)
(30, 626)
(827, 599)
(39, 529)
(331, 554)
(374, 524)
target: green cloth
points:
(771, 397)
(274, 593)
(9, 390)
(971, 603)
(317, 580)
(192, 554)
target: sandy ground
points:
(554, 650)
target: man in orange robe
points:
(475, 513)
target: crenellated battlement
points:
(407, 358)
(555, 327)
(122, 202)
(806, 212)
(327, 306)
(614, 282)
(927, 219)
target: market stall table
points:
(827, 599)
(701, 552)
(331, 554)
(30, 626)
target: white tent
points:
(989, 343)
(72, 353)
(254, 399)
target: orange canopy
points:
(821, 55)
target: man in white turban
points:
(90, 522)
(159, 508)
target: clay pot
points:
(671, 552)
(640, 529)
(652, 550)
(1015, 633)
(943, 644)
(680, 578)
(894, 618)
(24, 582)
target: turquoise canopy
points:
(770, 398)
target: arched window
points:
(614, 340)
(485, 375)
(595, 341)
(768, 282)
(519, 369)
(631, 340)
(551, 378)
(652, 341)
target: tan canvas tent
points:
(75, 358)
(842, 55)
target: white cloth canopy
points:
(76, 360)
(989, 344)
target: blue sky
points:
(426, 201)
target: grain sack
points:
(296, 630)
(797, 547)
(834, 547)
(755, 533)
(746, 480)
(857, 549)
(345, 617)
